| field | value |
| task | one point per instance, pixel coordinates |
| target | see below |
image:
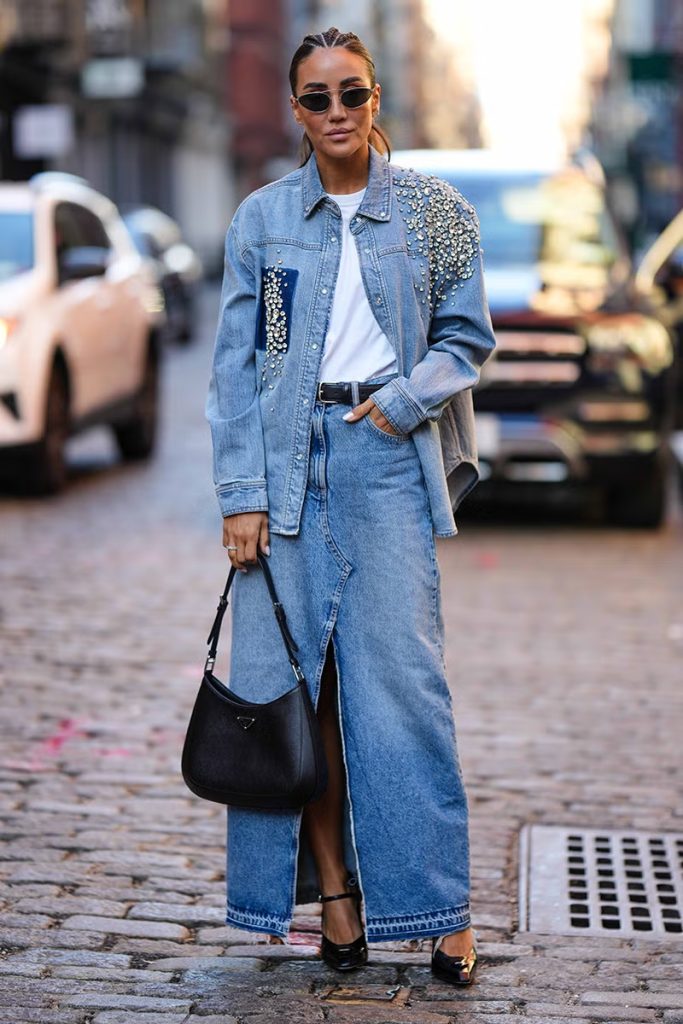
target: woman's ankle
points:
(333, 880)
(460, 941)
(341, 921)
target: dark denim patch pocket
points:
(275, 306)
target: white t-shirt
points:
(355, 347)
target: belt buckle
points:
(326, 401)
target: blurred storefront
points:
(130, 94)
(638, 123)
(257, 91)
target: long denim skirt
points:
(361, 574)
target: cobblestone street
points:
(565, 656)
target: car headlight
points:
(6, 328)
(633, 337)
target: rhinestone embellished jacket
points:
(422, 266)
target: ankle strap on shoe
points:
(337, 896)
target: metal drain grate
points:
(600, 882)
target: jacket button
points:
(324, 291)
(314, 345)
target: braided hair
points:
(350, 41)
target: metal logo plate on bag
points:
(245, 722)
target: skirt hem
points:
(415, 926)
(251, 922)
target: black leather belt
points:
(342, 391)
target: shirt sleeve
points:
(460, 340)
(232, 406)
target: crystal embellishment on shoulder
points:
(442, 232)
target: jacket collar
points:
(376, 202)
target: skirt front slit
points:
(361, 576)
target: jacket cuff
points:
(402, 411)
(242, 497)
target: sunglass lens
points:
(319, 101)
(315, 101)
(356, 97)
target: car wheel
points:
(186, 319)
(47, 472)
(642, 501)
(136, 436)
(186, 333)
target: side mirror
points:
(672, 273)
(85, 261)
(662, 264)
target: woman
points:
(353, 324)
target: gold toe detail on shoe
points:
(457, 969)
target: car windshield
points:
(16, 243)
(140, 240)
(531, 219)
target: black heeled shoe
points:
(457, 970)
(344, 956)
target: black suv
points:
(582, 386)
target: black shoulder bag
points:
(267, 756)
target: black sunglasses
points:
(320, 101)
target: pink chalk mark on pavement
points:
(192, 671)
(67, 729)
(159, 735)
(310, 939)
(487, 559)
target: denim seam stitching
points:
(352, 821)
(435, 593)
(390, 250)
(239, 485)
(377, 926)
(245, 508)
(261, 243)
(255, 919)
(299, 388)
(417, 408)
(335, 550)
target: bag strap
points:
(290, 644)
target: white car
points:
(80, 319)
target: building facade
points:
(130, 94)
(638, 117)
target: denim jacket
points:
(421, 263)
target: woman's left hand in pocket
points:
(368, 408)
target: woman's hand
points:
(368, 408)
(246, 531)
